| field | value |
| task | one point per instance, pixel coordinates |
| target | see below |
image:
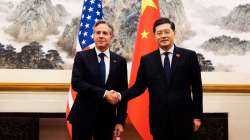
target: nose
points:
(164, 34)
(101, 34)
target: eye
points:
(98, 32)
(159, 33)
(105, 33)
(166, 32)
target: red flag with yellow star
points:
(144, 44)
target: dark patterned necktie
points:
(102, 70)
(167, 66)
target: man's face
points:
(102, 36)
(164, 36)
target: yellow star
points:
(145, 4)
(144, 34)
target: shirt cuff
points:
(119, 96)
(105, 93)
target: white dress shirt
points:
(170, 55)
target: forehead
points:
(102, 27)
(165, 26)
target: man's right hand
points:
(112, 97)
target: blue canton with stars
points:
(91, 13)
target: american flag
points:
(91, 13)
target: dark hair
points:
(104, 22)
(163, 20)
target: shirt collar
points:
(170, 50)
(107, 53)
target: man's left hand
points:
(118, 130)
(196, 124)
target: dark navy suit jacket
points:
(171, 106)
(90, 107)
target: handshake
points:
(113, 97)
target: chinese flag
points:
(144, 44)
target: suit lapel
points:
(93, 63)
(158, 61)
(113, 63)
(175, 61)
(160, 67)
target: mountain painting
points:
(41, 34)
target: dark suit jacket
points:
(171, 105)
(90, 107)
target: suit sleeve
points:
(140, 84)
(196, 88)
(78, 82)
(122, 106)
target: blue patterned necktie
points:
(167, 68)
(102, 70)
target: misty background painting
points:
(41, 34)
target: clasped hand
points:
(112, 97)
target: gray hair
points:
(105, 22)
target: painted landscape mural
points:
(41, 34)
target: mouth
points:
(164, 41)
(100, 42)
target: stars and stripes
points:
(91, 13)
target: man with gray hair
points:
(95, 72)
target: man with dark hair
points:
(173, 78)
(95, 71)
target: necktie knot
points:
(166, 53)
(101, 55)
